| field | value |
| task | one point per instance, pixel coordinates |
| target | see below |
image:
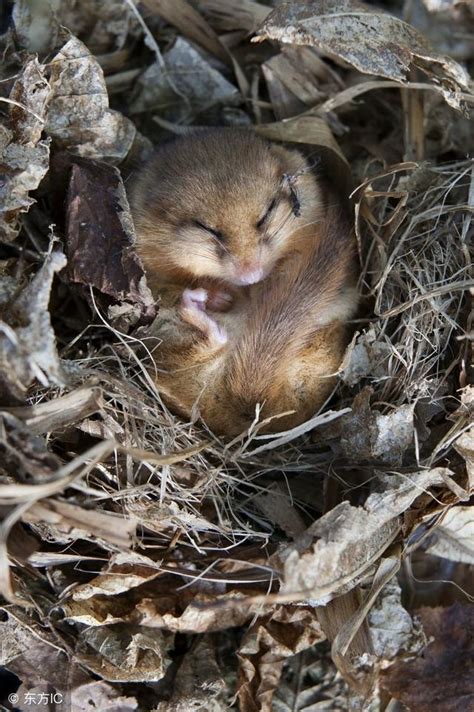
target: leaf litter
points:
(136, 548)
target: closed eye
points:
(267, 214)
(215, 233)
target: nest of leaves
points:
(145, 564)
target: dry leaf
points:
(64, 522)
(366, 435)
(441, 679)
(453, 537)
(277, 506)
(122, 653)
(27, 342)
(198, 684)
(393, 631)
(24, 156)
(182, 86)
(31, 651)
(311, 683)
(100, 241)
(185, 18)
(79, 117)
(298, 69)
(60, 413)
(124, 572)
(227, 15)
(369, 40)
(345, 543)
(368, 357)
(100, 695)
(303, 129)
(25, 455)
(266, 645)
(155, 603)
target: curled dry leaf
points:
(25, 455)
(79, 117)
(306, 128)
(100, 241)
(368, 39)
(343, 545)
(183, 85)
(27, 342)
(367, 435)
(124, 572)
(123, 653)
(266, 645)
(24, 156)
(198, 684)
(64, 523)
(156, 603)
(60, 413)
(392, 629)
(453, 537)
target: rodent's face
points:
(226, 205)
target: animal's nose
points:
(250, 274)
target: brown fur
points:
(286, 341)
(225, 179)
(285, 334)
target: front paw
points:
(193, 311)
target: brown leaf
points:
(441, 678)
(68, 522)
(266, 645)
(27, 342)
(182, 86)
(305, 128)
(24, 157)
(100, 239)
(25, 455)
(60, 413)
(136, 595)
(453, 537)
(198, 684)
(344, 543)
(124, 653)
(371, 41)
(78, 116)
(187, 20)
